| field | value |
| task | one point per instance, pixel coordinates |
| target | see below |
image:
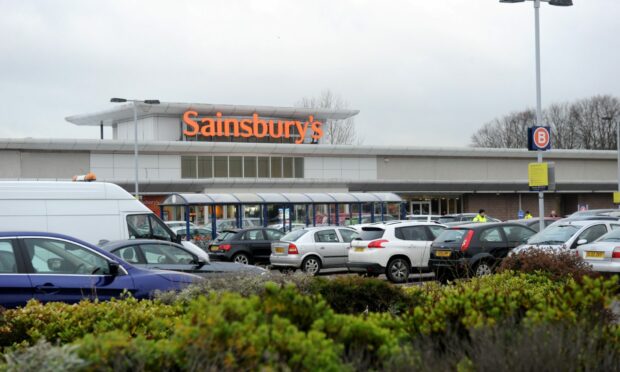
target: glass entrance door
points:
(420, 207)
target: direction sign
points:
(538, 138)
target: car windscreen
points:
(371, 233)
(554, 235)
(451, 236)
(613, 236)
(293, 235)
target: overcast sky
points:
(422, 73)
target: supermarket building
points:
(205, 148)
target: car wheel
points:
(311, 265)
(241, 258)
(398, 270)
(483, 268)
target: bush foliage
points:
(556, 265)
(347, 323)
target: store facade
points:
(203, 148)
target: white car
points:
(394, 249)
(174, 225)
(312, 248)
(603, 254)
(568, 235)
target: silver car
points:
(312, 249)
(603, 254)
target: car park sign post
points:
(538, 138)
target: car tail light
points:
(377, 243)
(292, 249)
(467, 240)
(616, 254)
(225, 247)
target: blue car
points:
(55, 267)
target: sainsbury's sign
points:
(254, 127)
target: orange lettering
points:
(272, 129)
(287, 128)
(258, 122)
(235, 125)
(318, 131)
(208, 130)
(301, 128)
(191, 123)
(219, 123)
(246, 127)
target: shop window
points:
(276, 167)
(220, 166)
(188, 167)
(249, 166)
(205, 167)
(263, 167)
(299, 167)
(235, 166)
(288, 167)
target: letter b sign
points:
(538, 138)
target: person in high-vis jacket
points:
(481, 217)
(528, 215)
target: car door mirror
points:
(200, 262)
(178, 239)
(113, 267)
(582, 241)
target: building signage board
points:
(251, 127)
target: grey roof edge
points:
(124, 112)
(183, 147)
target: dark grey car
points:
(157, 254)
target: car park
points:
(603, 254)
(312, 249)
(57, 268)
(534, 223)
(199, 235)
(395, 249)
(568, 234)
(294, 226)
(463, 217)
(423, 217)
(154, 254)
(175, 225)
(246, 246)
(475, 248)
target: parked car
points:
(423, 217)
(534, 223)
(603, 254)
(199, 235)
(475, 248)
(394, 249)
(284, 228)
(175, 225)
(54, 267)
(569, 234)
(154, 254)
(461, 217)
(312, 249)
(246, 246)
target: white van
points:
(91, 211)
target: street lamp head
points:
(151, 101)
(561, 2)
(117, 100)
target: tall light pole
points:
(135, 132)
(541, 194)
(608, 119)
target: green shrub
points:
(558, 265)
(43, 357)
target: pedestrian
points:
(553, 214)
(528, 215)
(481, 217)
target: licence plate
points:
(214, 248)
(279, 249)
(359, 249)
(443, 253)
(593, 254)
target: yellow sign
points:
(538, 174)
(616, 197)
